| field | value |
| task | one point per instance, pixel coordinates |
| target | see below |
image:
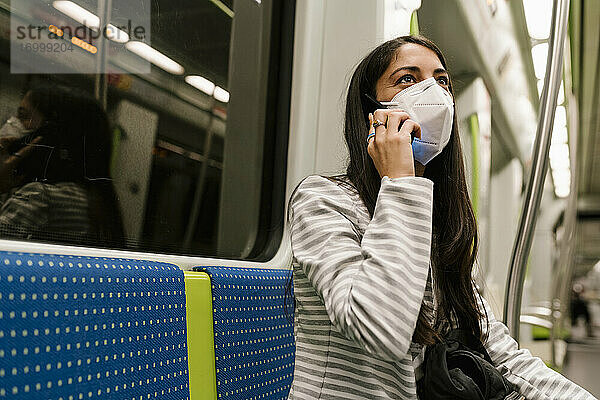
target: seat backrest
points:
(253, 332)
(74, 328)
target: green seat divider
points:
(200, 338)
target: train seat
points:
(74, 328)
(253, 332)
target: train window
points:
(177, 146)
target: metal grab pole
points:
(200, 182)
(564, 268)
(562, 286)
(101, 82)
(533, 195)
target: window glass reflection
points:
(171, 129)
(132, 158)
(54, 170)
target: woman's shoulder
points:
(48, 190)
(329, 191)
(29, 190)
(331, 186)
(327, 182)
(50, 196)
(26, 205)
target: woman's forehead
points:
(411, 54)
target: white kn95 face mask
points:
(432, 107)
(13, 128)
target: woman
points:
(383, 256)
(55, 168)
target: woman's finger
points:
(24, 152)
(410, 127)
(395, 120)
(380, 118)
(371, 135)
(7, 142)
(27, 149)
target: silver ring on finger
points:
(371, 135)
(378, 123)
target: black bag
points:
(460, 368)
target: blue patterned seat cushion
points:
(74, 328)
(254, 332)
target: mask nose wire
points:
(411, 89)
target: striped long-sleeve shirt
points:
(57, 210)
(360, 282)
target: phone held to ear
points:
(429, 105)
(378, 105)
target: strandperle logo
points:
(80, 36)
(82, 32)
(63, 36)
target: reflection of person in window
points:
(55, 167)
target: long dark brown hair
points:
(454, 244)
(77, 130)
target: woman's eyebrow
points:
(440, 71)
(412, 68)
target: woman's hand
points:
(9, 163)
(390, 147)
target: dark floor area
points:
(582, 363)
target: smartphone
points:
(379, 104)
(372, 104)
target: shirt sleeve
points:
(532, 377)
(372, 287)
(24, 211)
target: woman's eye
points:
(442, 80)
(407, 79)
